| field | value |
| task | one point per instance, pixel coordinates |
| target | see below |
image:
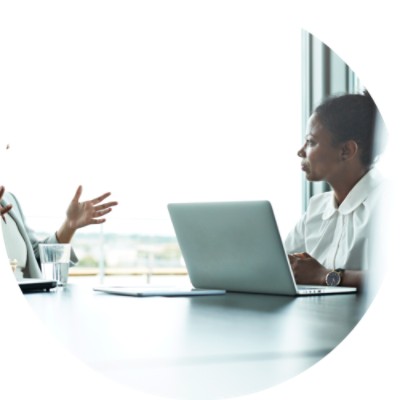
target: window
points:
(154, 110)
(324, 74)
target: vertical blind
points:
(324, 74)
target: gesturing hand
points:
(7, 208)
(80, 214)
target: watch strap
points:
(341, 270)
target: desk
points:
(198, 347)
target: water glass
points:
(55, 260)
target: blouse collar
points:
(356, 196)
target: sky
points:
(60, 75)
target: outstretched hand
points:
(80, 214)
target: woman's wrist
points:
(66, 232)
(322, 277)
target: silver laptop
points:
(236, 246)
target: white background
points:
(154, 101)
(365, 35)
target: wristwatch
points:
(334, 277)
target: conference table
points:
(208, 347)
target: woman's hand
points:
(4, 210)
(80, 214)
(307, 270)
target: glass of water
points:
(55, 260)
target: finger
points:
(6, 209)
(78, 194)
(301, 256)
(106, 205)
(2, 191)
(297, 255)
(97, 221)
(298, 264)
(102, 212)
(99, 199)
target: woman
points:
(329, 245)
(20, 241)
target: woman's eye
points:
(310, 142)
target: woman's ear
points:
(349, 150)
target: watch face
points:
(333, 278)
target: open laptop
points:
(236, 246)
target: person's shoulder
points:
(379, 187)
(9, 195)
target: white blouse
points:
(339, 237)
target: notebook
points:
(164, 291)
(236, 246)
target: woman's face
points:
(321, 158)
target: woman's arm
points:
(353, 278)
(308, 271)
(80, 214)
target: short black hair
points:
(352, 117)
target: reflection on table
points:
(201, 347)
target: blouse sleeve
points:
(295, 241)
(33, 238)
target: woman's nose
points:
(301, 153)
